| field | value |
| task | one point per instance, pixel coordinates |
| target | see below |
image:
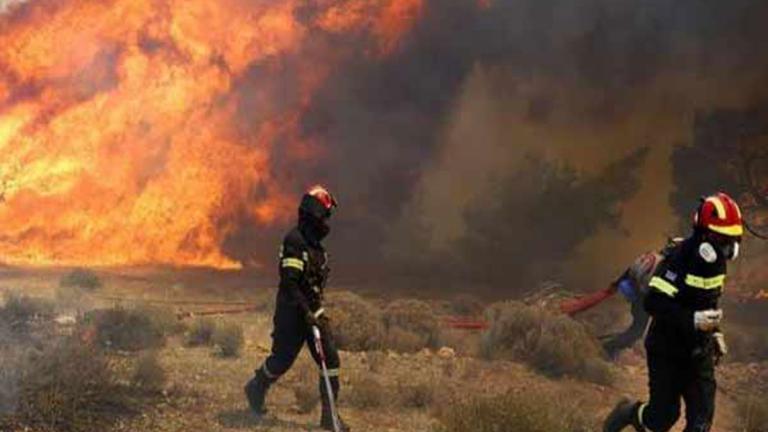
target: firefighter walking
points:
(303, 271)
(684, 341)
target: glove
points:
(707, 320)
(720, 345)
(316, 318)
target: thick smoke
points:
(430, 149)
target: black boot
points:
(326, 419)
(624, 414)
(256, 392)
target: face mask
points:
(731, 250)
(736, 249)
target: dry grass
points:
(355, 322)
(418, 394)
(553, 344)
(148, 374)
(69, 387)
(753, 414)
(521, 412)
(81, 278)
(200, 333)
(307, 397)
(466, 305)
(410, 326)
(228, 339)
(305, 387)
(365, 392)
(746, 343)
(72, 298)
(19, 311)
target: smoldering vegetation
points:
(59, 371)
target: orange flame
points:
(119, 122)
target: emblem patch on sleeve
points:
(707, 252)
(670, 276)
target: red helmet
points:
(719, 213)
(318, 202)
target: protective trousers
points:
(671, 379)
(290, 333)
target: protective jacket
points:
(304, 270)
(690, 279)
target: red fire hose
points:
(580, 304)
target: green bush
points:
(81, 278)
(410, 325)
(229, 340)
(356, 323)
(200, 333)
(552, 343)
(519, 412)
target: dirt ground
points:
(205, 392)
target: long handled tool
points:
(326, 378)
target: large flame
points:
(121, 121)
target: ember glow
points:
(123, 131)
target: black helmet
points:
(317, 203)
(314, 211)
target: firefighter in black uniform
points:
(684, 341)
(303, 273)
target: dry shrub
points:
(366, 392)
(551, 343)
(753, 414)
(130, 329)
(376, 361)
(72, 298)
(521, 412)
(305, 387)
(307, 397)
(21, 311)
(11, 362)
(228, 339)
(466, 305)
(356, 323)
(81, 278)
(200, 332)
(746, 343)
(418, 394)
(148, 374)
(410, 325)
(69, 387)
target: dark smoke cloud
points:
(574, 84)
